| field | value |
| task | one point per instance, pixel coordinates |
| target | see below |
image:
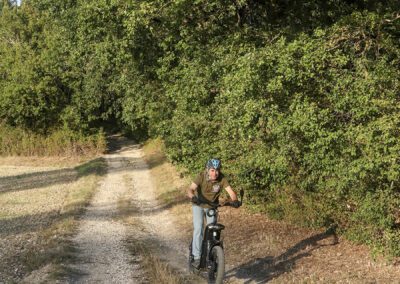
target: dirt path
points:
(159, 222)
(101, 240)
(125, 213)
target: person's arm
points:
(192, 190)
(231, 193)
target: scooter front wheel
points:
(217, 270)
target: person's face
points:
(213, 174)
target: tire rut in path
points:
(159, 222)
(103, 256)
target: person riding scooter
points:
(207, 187)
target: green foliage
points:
(309, 126)
(299, 98)
(32, 88)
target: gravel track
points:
(159, 222)
(259, 250)
(101, 239)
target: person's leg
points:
(197, 231)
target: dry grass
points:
(170, 183)
(36, 161)
(62, 142)
(37, 218)
(171, 186)
(259, 250)
(142, 250)
(38, 210)
(157, 271)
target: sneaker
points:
(196, 263)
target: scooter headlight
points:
(211, 212)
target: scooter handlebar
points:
(202, 200)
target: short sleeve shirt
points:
(208, 189)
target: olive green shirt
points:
(208, 189)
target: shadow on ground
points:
(31, 224)
(36, 222)
(265, 269)
(66, 175)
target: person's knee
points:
(197, 225)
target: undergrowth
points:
(63, 142)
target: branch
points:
(394, 19)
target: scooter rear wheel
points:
(217, 270)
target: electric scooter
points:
(212, 259)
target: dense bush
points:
(299, 98)
(309, 126)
